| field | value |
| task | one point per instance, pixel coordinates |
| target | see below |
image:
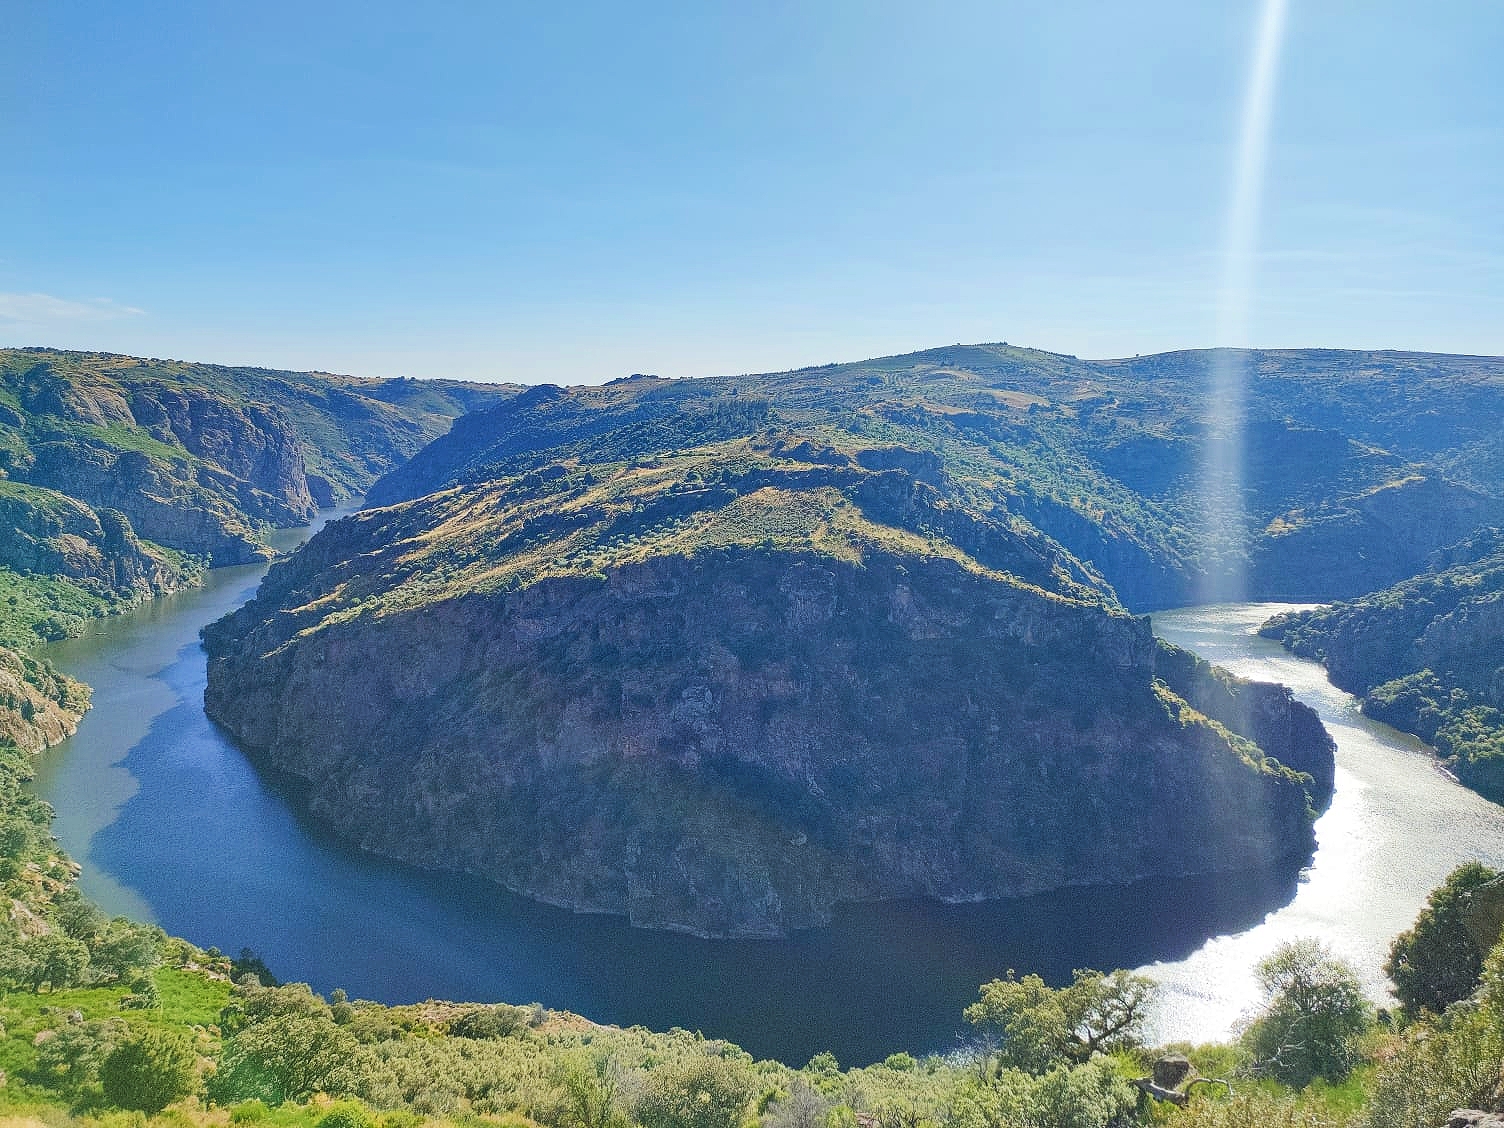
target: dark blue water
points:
(172, 824)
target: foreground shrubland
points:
(138, 1026)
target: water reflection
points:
(172, 823)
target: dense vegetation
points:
(1426, 655)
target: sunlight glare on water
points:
(1397, 826)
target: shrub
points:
(498, 1021)
(703, 1092)
(1313, 1015)
(1437, 962)
(346, 1114)
(149, 1070)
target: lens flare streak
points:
(1224, 517)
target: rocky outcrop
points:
(46, 533)
(1267, 714)
(39, 707)
(1474, 1118)
(176, 503)
(255, 444)
(733, 742)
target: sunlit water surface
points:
(172, 825)
(1397, 825)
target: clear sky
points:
(574, 192)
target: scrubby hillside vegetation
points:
(1358, 464)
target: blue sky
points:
(576, 192)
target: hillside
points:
(121, 479)
(1359, 465)
(1426, 656)
(721, 683)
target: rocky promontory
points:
(726, 690)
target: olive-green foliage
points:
(1092, 1095)
(1437, 962)
(802, 1106)
(148, 1070)
(1036, 1027)
(49, 960)
(68, 1059)
(123, 947)
(1312, 1018)
(1256, 1109)
(590, 1095)
(496, 1021)
(346, 1114)
(281, 1044)
(1446, 1061)
(702, 1092)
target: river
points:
(172, 825)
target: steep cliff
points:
(726, 689)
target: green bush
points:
(702, 1092)
(346, 1114)
(1314, 1012)
(1437, 962)
(149, 1070)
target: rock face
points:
(45, 533)
(39, 707)
(787, 706)
(1267, 714)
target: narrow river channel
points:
(172, 825)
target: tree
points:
(1437, 962)
(149, 1070)
(801, 1107)
(1038, 1027)
(284, 1057)
(591, 1095)
(56, 960)
(125, 947)
(69, 1060)
(703, 1092)
(250, 1003)
(1313, 1014)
